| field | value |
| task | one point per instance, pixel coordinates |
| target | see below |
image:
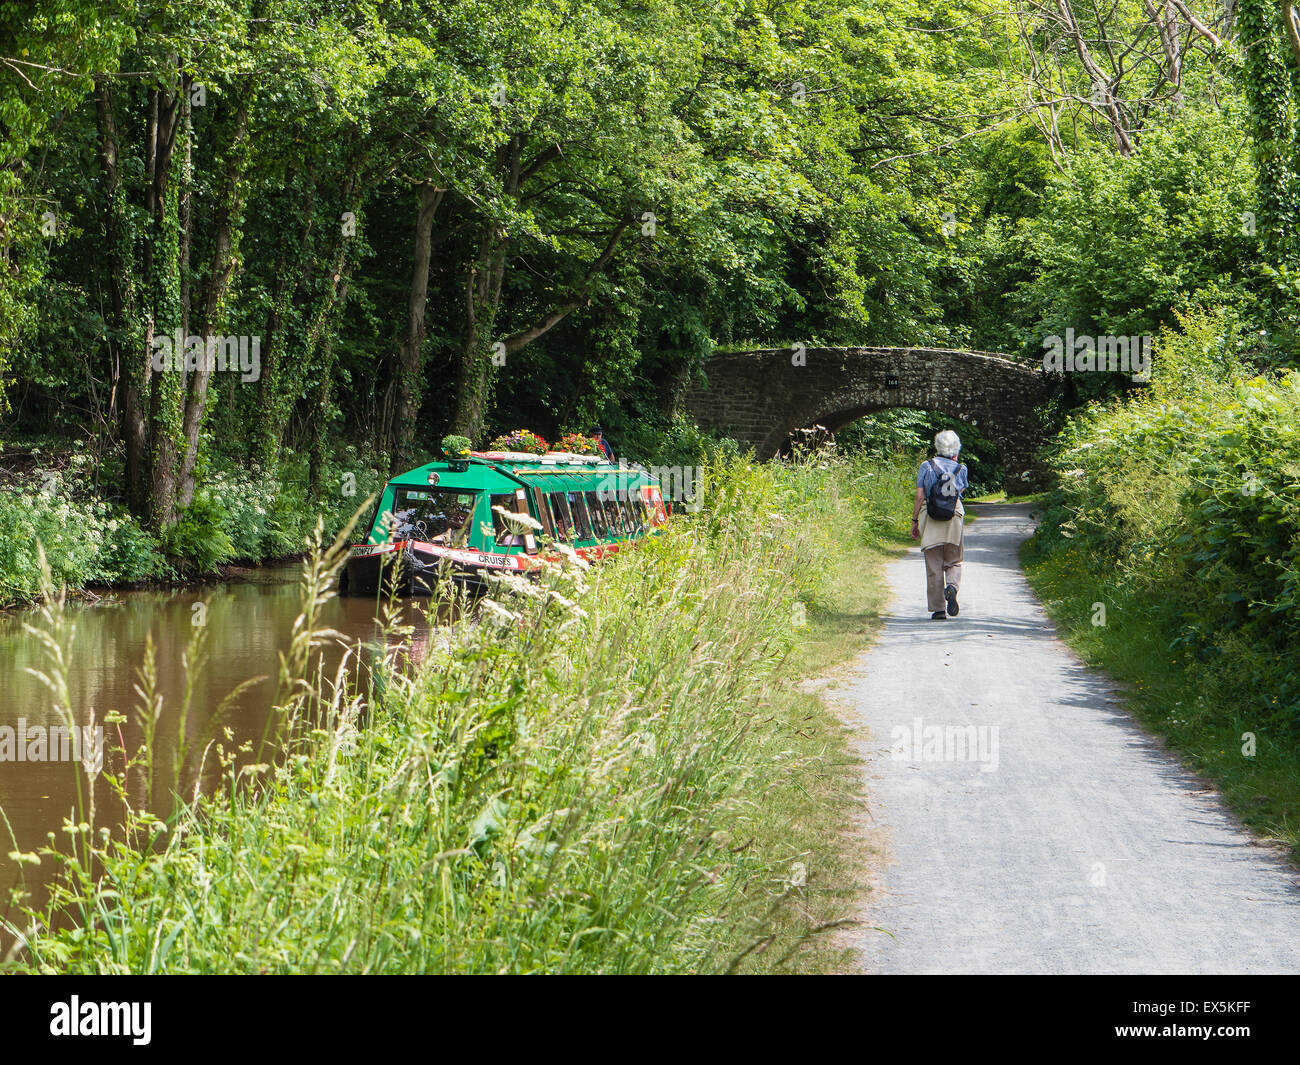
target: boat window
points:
(542, 509)
(599, 520)
(546, 515)
(432, 515)
(561, 514)
(616, 514)
(581, 519)
(500, 530)
(625, 514)
(635, 511)
(640, 512)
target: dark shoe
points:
(938, 615)
(950, 593)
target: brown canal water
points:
(248, 623)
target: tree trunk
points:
(474, 369)
(482, 298)
(162, 278)
(264, 440)
(185, 194)
(221, 271)
(409, 366)
(320, 340)
(129, 370)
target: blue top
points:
(926, 476)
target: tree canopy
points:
(240, 230)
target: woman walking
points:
(937, 521)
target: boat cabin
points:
(496, 511)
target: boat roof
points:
(504, 471)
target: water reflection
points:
(248, 624)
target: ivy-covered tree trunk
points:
(321, 338)
(222, 263)
(128, 356)
(483, 282)
(162, 281)
(475, 368)
(409, 363)
(304, 311)
(1270, 92)
(323, 412)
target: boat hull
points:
(419, 569)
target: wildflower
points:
(516, 585)
(515, 521)
(494, 614)
(572, 556)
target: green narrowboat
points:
(460, 519)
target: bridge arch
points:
(758, 397)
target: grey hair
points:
(947, 443)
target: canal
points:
(247, 624)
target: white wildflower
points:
(516, 522)
(513, 584)
(572, 556)
(494, 614)
(567, 603)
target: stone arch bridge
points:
(758, 397)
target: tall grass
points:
(606, 770)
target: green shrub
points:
(86, 540)
(679, 442)
(130, 553)
(1188, 494)
(238, 514)
(1122, 243)
(199, 541)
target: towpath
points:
(1025, 823)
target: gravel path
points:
(1059, 838)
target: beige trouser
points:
(942, 567)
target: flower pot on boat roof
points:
(455, 449)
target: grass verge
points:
(813, 808)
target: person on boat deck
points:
(598, 435)
(941, 541)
